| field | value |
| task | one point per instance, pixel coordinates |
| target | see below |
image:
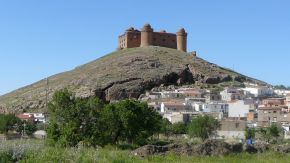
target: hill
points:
(125, 74)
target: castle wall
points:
(164, 39)
(122, 41)
(133, 39)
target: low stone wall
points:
(231, 134)
(4, 137)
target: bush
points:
(250, 133)
(202, 126)
(9, 123)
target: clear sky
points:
(42, 38)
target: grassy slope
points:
(34, 151)
(113, 155)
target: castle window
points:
(163, 39)
(154, 39)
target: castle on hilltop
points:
(146, 37)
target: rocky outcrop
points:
(285, 148)
(208, 148)
(212, 148)
(148, 150)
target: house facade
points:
(287, 101)
(241, 108)
(217, 107)
(274, 114)
(231, 94)
(260, 91)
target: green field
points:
(32, 151)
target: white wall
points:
(216, 107)
(259, 91)
(238, 109)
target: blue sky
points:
(42, 38)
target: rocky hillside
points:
(124, 74)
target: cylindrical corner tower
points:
(181, 38)
(146, 35)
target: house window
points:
(274, 111)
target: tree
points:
(202, 126)
(179, 128)
(165, 127)
(88, 121)
(250, 133)
(72, 120)
(131, 121)
(270, 133)
(274, 130)
(30, 127)
(9, 123)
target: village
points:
(253, 106)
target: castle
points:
(147, 37)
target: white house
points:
(38, 117)
(212, 97)
(175, 117)
(282, 92)
(195, 105)
(259, 91)
(182, 93)
(173, 106)
(241, 108)
(230, 94)
(288, 100)
(217, 107)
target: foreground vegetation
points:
(31, 151)
(88, 130)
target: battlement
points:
(147, 37)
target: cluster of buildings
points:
(34, 117)
(236, 108)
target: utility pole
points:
(23, 131)
(46, 96)
(46, 104)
